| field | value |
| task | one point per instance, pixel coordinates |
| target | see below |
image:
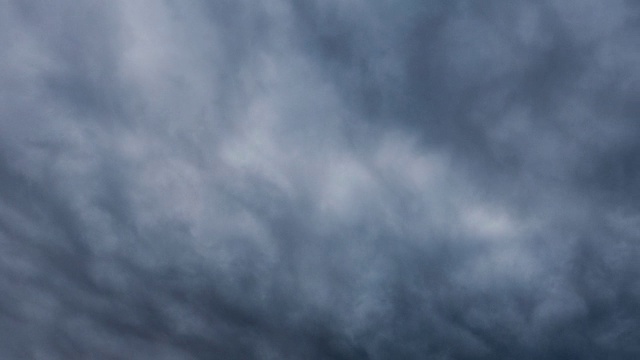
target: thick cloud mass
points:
(319, 179)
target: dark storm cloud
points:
(319, 179)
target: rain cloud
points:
(319, 179)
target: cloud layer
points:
(319, 179)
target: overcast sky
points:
(319, 179)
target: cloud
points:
(322, 180)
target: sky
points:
(319, 179)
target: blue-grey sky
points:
(319, 179)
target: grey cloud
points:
(322, 180)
